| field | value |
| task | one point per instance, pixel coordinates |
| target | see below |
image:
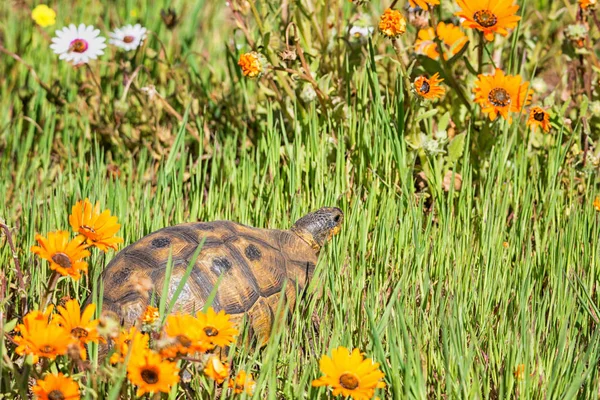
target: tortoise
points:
(254, 268)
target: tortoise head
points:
(319, 226)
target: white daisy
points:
(360, 31)
(78, 44)
(128, 37)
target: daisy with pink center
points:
(78, 44)
(129, 37)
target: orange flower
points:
(188, 337)
(54, 387)
(242, 382)
(253, 64)
(489, 17)
(501, 94)
(129, 341)
(65, 257)
(150, 373)
(81, 326)
(39, 338)
(450, 35)
(597, 203)
(429, 88)
(98, 228)
(392, 23)
(519, 372)
(424, 4)
(218, 330)
(150, 315)
(216, 370)
(585, 4)
(539, 117)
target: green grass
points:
(449, 292)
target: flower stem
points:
(480, 53)
(18, 270)
(47, 297)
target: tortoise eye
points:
(337, 218)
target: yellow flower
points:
(242, 382)
(43, 15)
(217, 328)
(98, 228)
(81, 326)
(54, 387)
(424, 4)
(392, 23)
(40, 338)
(539, 117)
(501, 94)
(150, 373)
(489, 17)
(65, 257)
(130, 340)
(349, 374)
(150, 315)
(519, 372)
(187, 334)
(585, 4)
(429, 88)
(597, 203)
(216, 370)
(253, 64)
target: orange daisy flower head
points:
(128, 342)
(216, 370)
(253, 64)
(39, 338)
(539, 117)
(489, 16)
(452, 38)
(243, 382)
(186, 334)
(392, 23)
(150, 318)
(501, 94)
(429, 88)
(217, 329)
(588, 4)
(350, 374)
(150, 373)
(424, 4)
(65, 256)
(81, 326)
(55, 387)
(596, 203)
(98, 227)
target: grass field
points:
(487, 290)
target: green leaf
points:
(456, 148)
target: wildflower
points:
(424, 4)
(253, 64)
(597, 203)
(450, 35)
(56, 386)
(505, 245)
(392, 23)
(130, 340)
(585, 4)
(216, 370)
(500, 93)
(360, 32)
(429, 88)
(519, 372)
(489, 17)
(242, 382)
(129, 37)
(349, 374)
(539, 117)
(150, 373)
(39, 338)
(65, 256)
(98, 228)
(43, 15)
(81, 326)
(150, 315)
(169, 17)
(78, 44)
(217, 327)
(577, 34)
(188, 337)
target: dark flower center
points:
(78, 46)
(210, 331)
(499, 97)
(150, 376)
(184, 341)
(485, 18)
(128, 39)
(79, 332)
(425, 87)
(56, 395)
(62, 259)
(539, 116)
(349, 381)
(47, 349)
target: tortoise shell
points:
(254, 268)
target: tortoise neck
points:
(307, 237)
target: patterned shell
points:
(253, 268)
